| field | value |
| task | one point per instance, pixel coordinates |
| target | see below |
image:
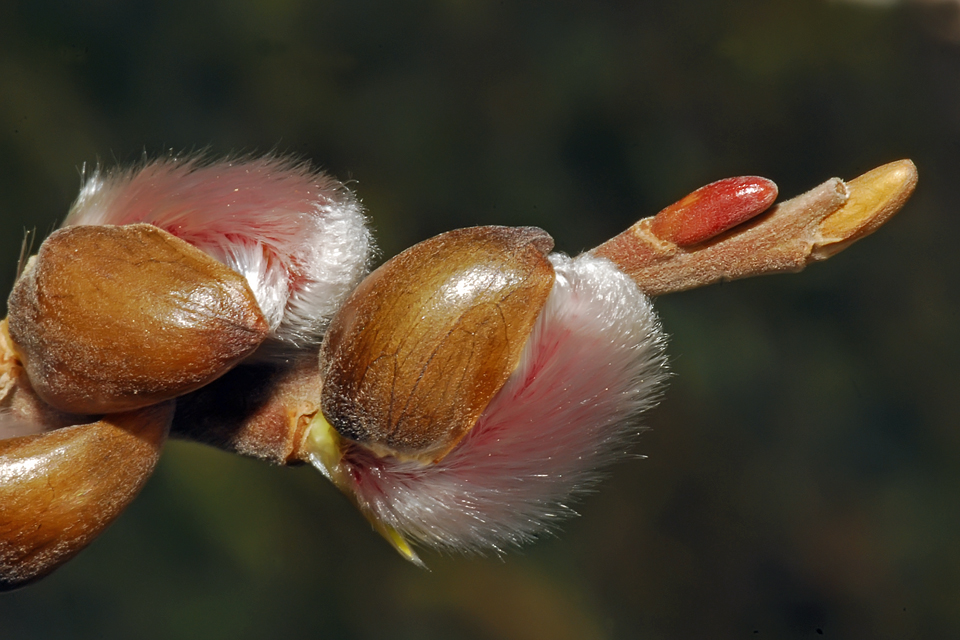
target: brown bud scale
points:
(425, 342)
(60, 489)
(109, 319)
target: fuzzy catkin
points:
(594, 361)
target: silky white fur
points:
(297, 235)
(593, 363)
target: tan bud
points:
(422, 345)
(109, 319)
(60, 489)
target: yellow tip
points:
(397, 541)
(323, 447)
(872, 199)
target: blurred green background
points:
(804, 468)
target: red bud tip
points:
(713, 209)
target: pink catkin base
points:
(593, 363)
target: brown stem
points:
(257, 410)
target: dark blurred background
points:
(803, 477)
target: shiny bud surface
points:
(59, 490)
(108, 319)
(424, 343)
(713, 209)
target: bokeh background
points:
(803, 476)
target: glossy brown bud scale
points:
(60, 489)
(109, 319)
(425, 342)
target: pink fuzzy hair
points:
(593, 363)
(297, 235)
